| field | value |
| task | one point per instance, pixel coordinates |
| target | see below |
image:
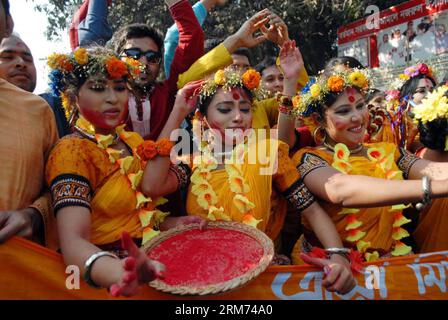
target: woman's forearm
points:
(155, 181)
(322, 226)
(433, 170)
(105, 271)
(361, 191)
(286, 124)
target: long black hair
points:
(5, 4)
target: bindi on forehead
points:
(428, 82)
(351, 95)
(236, 94)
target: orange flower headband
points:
(82, 64)
(228, 78)
(69, 69)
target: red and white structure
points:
(411, 32)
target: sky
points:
(31, 26)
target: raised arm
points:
(291, 63)
(89, 24)
(200, 8)
(191, 40)
(220, 57)
(158, 180)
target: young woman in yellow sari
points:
(361, 186)
(431, 117)
(95, 174)
(236, 185)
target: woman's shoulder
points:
(73, 143)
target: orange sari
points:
(80, 173)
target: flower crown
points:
(434, 106)
(68, 69)
(228, 78)
(316, 90)
(411, 72)
(81, 65)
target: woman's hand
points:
(187, 97)
(183, 221)
(277, 31)
(291, 61)
(173, 222)
(280, 260)
(138, 269)
(338, 276)
(245, 35)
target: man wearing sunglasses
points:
(151, 102)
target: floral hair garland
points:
(315, 91)
(81, 65)
(228, 78)
(411, 72)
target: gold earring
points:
(74, 115)
(319, 135)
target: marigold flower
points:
(358, 79)
(66, 104)
(60, 62)
(54, 59)
(81, 56)
(296, 101)
(135, 66)
(251, 79)
(164, 147)
(336, 84)
(116, 68)
(220, 77)
(147, 150)
(315, 90)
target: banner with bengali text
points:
(29, 271)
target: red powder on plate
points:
(198, 258)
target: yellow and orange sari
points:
(375, 232)
(80, 173)
(263, 192)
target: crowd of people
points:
(335, 172)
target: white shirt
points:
(141, 127)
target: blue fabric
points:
(59, 114)
(95, 29)
(172, 37)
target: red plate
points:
(220, 258)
